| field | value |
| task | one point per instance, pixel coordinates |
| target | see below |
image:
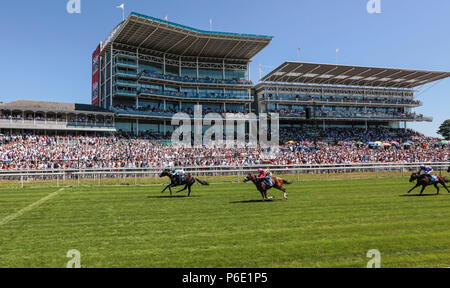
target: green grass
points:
(323, 224)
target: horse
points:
(424, 181)
(263, 187)
(448, 169)
(188, 181)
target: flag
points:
(337, 50)
(166, 18)
(299, 49)
(122, 6)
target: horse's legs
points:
(281, 188)
(262, 194)
(437, 188)
(189, 187)
(445, 186)
(413, 188)
(185, 187)
(423, 189)
(168, 186)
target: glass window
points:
(235, 75)
(188, 72)
(211, 74)
(173, 70)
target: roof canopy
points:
(151, 33)
(314, 73)
(44, 106)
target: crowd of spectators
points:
(330, 146)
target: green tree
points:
(444, 130)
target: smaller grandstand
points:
(305, 94)
(44, 117)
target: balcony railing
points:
(355, 116)
(125, 93)
(166, 114)
(60, 122)
(188, 95)
(344, 101)
(127, 64)
(126, 74)
(147, 74)
(126, 83)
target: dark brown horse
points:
(263, 187)
(424, 181)
(188, 181)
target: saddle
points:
(269, 182)
(433, 179)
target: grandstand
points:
(343, 96)
(151, 69)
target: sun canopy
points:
(315, 73)
(147, 32)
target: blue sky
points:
(46, 52)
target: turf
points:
(323, 224)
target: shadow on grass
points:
(418, 195)
(174, 196)
(255, 201)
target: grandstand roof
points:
(55, 107)
(316, 73)
(152, 33)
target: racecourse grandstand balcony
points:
(309, 100)
(150, 111)
(187, 79)
(195, 96)
(368, 115)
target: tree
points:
(444, 130)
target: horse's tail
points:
(202, 182)
(287, 182)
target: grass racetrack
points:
(323, 224)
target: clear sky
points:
(46, 52)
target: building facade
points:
(151, 69)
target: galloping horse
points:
(263, 187)
(424, 181)
(188, 181)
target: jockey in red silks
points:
(262, 174)
(265, 176)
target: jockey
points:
(179, 173)
(265, 175)
(427, 171)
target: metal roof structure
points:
(55, 107)
(316, 73)
(147, 32)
